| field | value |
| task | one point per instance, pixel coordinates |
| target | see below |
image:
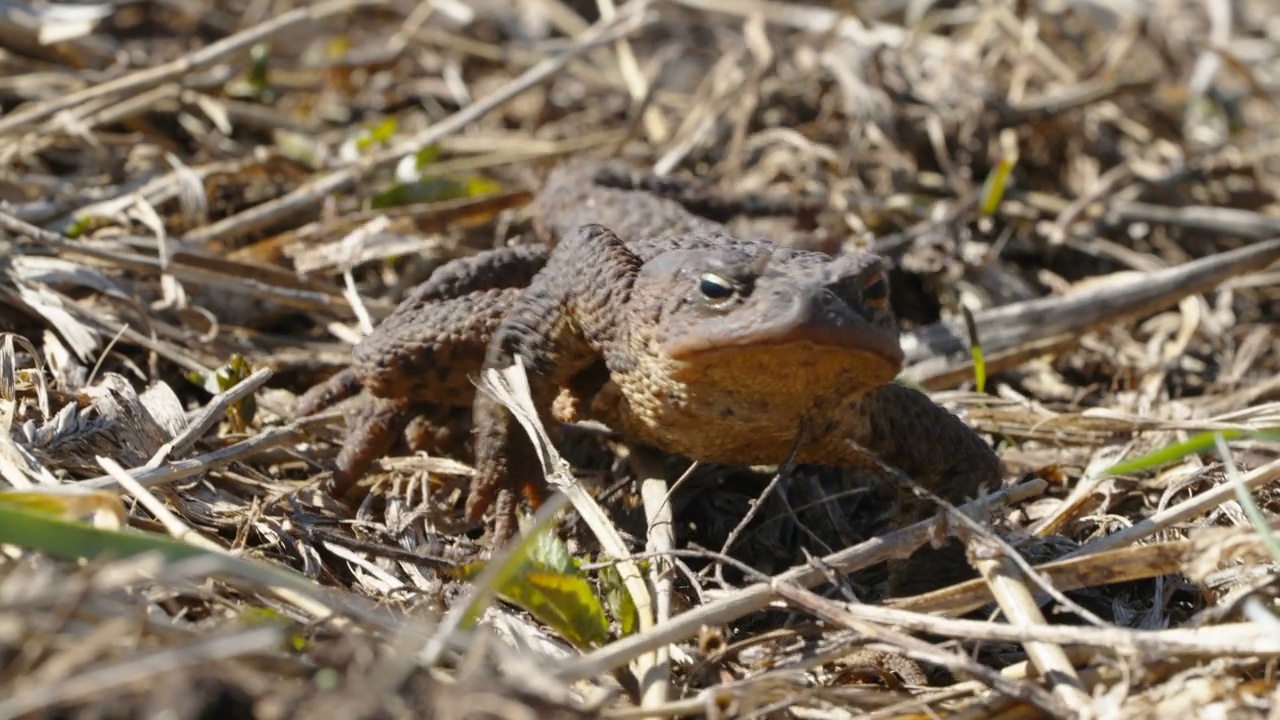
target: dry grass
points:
(164, 208)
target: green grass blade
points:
(43, 530)
(993, 187)
(1194, 445)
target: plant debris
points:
(203, 206)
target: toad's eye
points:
(715, 288)
(875, 291)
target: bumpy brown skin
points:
(683, 338)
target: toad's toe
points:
(337, 388)
(375, 430)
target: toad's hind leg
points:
(339, 387)
(432, 355)
(703, 199)
(505, 267)
(466, 279)
(410, 362)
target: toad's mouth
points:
(790, 367)
(806, 322)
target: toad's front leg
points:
(907, 430)
(903, 428)
(569, 317)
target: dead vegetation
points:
(187, 183)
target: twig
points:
(1076, 96)
(1009, 326)
(659, 519)
(1184, 510)
(1007, 585)
(634, 79)
(1200, 218)
(1105, 560)
(101, 678)
(264, 282)
(211, 414)
(1110, 566)
(312, 606)
(815, 19)
(1104, 186)
(180, 469)
(919, 649)
(1235, 639)
(760, 595)
(510, 386)
(150, 77)
(313, 193)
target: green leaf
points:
(426, 156)
(621, 605)
(294, 639)
(1196, 444)
(993, 187)
(234, 372)
(429, 190)
(979, 369)
(259, 57)
(421, 191)
(487, 579)
(565, 602)
(547, 583)
(548, 552)
(477, 186)
(67, 503)
(379, 134)
(86, 224)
